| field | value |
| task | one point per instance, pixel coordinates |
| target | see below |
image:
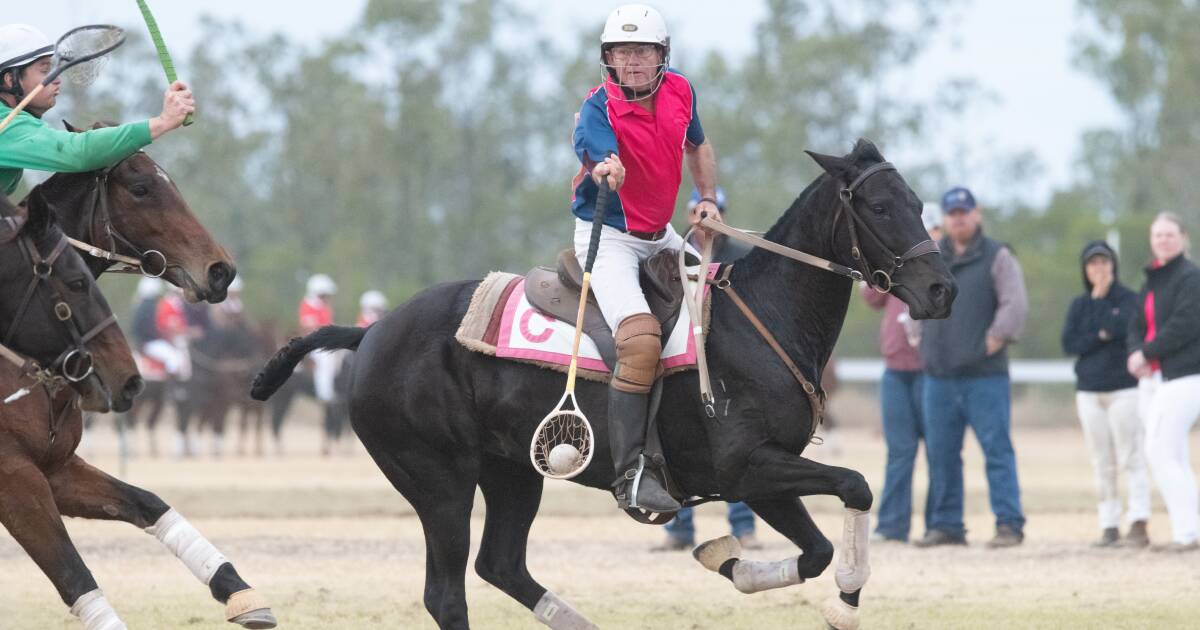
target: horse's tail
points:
(277, 371)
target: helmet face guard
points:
(609, 72)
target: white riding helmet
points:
(21, 44)
(320, 284)
(373, 301)
(236, 286)
(149, 288)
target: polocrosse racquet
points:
(562, 443)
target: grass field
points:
(332, 546)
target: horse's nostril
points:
(938, 292)
(219, 276)
(133, 387)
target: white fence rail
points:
(1022, 371)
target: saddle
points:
(555, 292)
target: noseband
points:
(876, 278)
(75, 363)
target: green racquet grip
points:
(164, 57)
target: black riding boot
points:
(626, 438)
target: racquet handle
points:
(21, 106)
(164, 56)
(597, 224)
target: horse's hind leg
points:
(84, 491)
(28, 511)
(441, 488)
(512, 493)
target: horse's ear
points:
(40, 216)
(70, 127)
(834, 165)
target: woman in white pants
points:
(1164, 344)
(1107, 395)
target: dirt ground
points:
(333, 546)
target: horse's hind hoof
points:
(716, 552)
(250, 610)
(256, 619)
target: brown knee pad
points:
(639, 350)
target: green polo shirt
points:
(29, 142)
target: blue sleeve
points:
(594, 136)
(695, 133)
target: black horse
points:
(440, 420)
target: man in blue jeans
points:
(966, 383)
(681, 531)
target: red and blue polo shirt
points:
(650, 146)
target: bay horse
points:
(440, 420)
(135, 210)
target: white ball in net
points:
(563, 459)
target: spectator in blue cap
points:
(966, 377)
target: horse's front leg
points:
(28, 511)
(772, 472)
(84, 491)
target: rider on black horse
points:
(635, 129)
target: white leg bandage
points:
(752, 576)
(197, 554)
(559, 615)
(96, 613)
(853, 568)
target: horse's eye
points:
(139, 190)
(78, 285)
(878, 210)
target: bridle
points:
(876, 278)
(97, 212)
(75, 363)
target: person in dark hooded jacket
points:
(1107, 395)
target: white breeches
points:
(1115, 437)
(615, 272)
(325, 368)
(174, 357)
(1171, 408)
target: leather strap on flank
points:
(815, 398)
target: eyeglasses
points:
(640, 51)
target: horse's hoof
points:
(250, 610)
(716, 552)
(839, 615)
(256, 619)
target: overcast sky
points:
(1018, 50)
